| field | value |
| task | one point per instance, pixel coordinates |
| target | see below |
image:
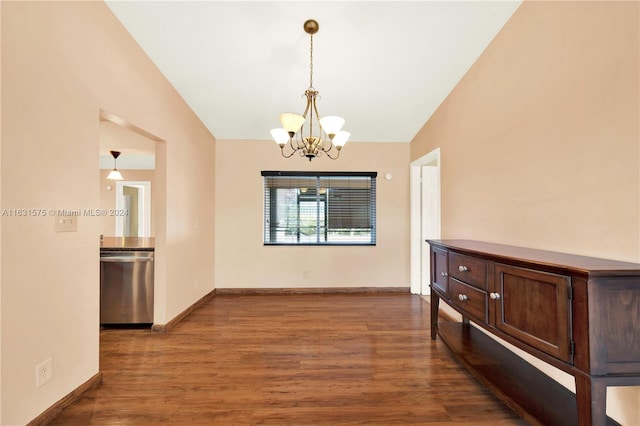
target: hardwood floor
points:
(308, 359)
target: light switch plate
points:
(66, 224)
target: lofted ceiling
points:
(384, 66)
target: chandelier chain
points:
(311, 64)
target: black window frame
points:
(358, 211)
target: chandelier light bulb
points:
(114, 175)
(340, 139)
(331, 125)
(280, 135)
(291, 122)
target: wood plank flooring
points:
(307, 359)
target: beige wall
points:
(108, 197)
(62, 63)
(540, 140)
(243, 262)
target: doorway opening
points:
(133, 209)
(129, 201)
(425, 217)
(143, 163)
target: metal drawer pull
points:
(463, 297)
(462, 268)
(444, 274)
(494, 296)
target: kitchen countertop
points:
(127, 244)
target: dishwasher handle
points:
(128, 259)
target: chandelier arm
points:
(329, 148)
(286, 156)
(294, 148)
(311, 110)
(309, 95)
(299, 141)
(315, 108)
(322, 140)
(333, 158)
(283, 154)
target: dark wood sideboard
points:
(579, 314)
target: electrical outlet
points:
(44, 372)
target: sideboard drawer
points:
(469, 299)
(470, 270)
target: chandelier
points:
(329, 138)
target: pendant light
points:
(115, 174)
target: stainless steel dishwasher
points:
(126, 287)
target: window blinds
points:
(319, 208)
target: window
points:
(319, 208)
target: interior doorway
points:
(425, 217)
(133, 209)
(143, 162)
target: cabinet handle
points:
(462, 268)
(494, 296)
(463, 297)
(444, 274)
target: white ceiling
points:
(385, 66)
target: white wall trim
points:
(416, 217)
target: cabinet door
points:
(439, 268)
(534, 307)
